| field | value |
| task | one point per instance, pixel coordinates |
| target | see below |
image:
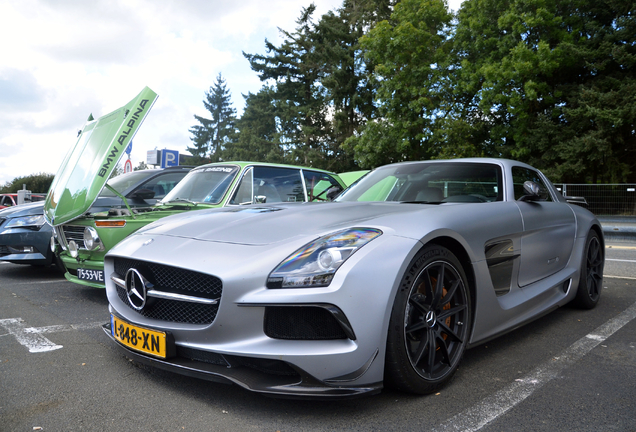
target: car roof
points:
(269, 164)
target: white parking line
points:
(499, 403)
(41, 282)
(620, 260)
(31, 337)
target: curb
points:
(619, 230)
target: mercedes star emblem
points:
(136, 289)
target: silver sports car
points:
(389, 285)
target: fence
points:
(604, 199)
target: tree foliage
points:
(211, 135)
(40, 182)
(411, 55)
(318, 82)
(258, 139)
(548, 82)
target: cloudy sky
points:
(61, 60)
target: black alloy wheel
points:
(591, 278)
(430, 323)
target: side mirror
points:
(143, 194)
(531, 191)
(333, 192)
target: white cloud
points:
(65, 59)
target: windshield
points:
(123, 182)
(429, 183)
(203, 185)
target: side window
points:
(273, 184)
(318, 185)
(470, 183)
(261, 184)
(245, 192)
(163, 184)
(521, 175)
(6, 201)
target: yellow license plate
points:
(139, 338)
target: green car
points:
(85, 237)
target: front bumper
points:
(246, 373)
(18, 238)
(72, 265)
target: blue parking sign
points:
(169, 158)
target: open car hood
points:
(89, 164)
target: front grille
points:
(177, 281)
(4, 250)
(73, 232)
(302, 323)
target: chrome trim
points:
(239, 178)
(181, 297)
(168, 296)
(61, 238)
(118, 281)
(302, 179)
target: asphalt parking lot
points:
(570, 370)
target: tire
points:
(591, 278)
(430, 323)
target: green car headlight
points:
(315, 264)
(34, 221)
(92, 240)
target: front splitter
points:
(279, 386)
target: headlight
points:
(34, 221)
(315, 264)
(73, 249)
(91, 239)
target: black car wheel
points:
(591, 279)
(430, 323)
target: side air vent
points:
(500, 258)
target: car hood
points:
(29, 209)
(268, 224)
(89, 164)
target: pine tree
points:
(320, 81)
(299, 98)
(345, 72)
(211, 135)
(258, 137)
